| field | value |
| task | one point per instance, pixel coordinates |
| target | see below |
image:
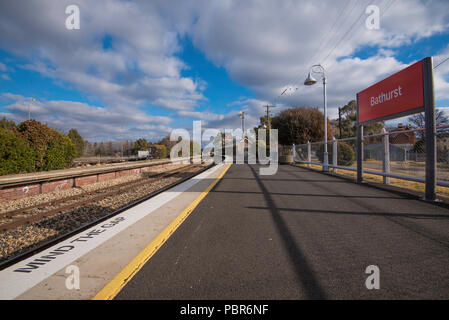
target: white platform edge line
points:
(13, 284)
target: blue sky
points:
(140, 69)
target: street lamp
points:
(310, 81)
(242, 115)
(29, 108)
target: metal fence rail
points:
(398, 154)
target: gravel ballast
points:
(28, 236)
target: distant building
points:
(443, 142)
(143, 154)
(403, 138)
(397, 152)
(401, 144)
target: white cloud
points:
(92, 122)
(140, 67)
(263, 45)
(267, 45)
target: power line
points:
(339, 15)
(381, 15)
(445, 60)
(347, 32)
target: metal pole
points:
(335, 154)
(294, 154)
(326, 155)
(429, 109)
(242, 115)
(386, 157)
(359, 147)
(339, 121)
(309, 154)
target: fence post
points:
(334, 154)
(294, 154)
(386, 156)
(359, 153)
(309, 154)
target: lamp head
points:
(310, 81)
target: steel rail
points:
(85, 199)
(46, 244)
(12, 213)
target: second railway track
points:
(41, 226)
(13, 219)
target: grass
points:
(410, 185)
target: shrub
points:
(52, 149)
(77, 140)
(162, 151)
(59, 154)
(15, 155)
(299, 125)
(345, 156)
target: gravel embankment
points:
(55, 195)
(25, 237)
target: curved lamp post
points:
(310, 81)
(29, 108)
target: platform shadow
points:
(303, 271)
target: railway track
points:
(13, 219)
(36, 213)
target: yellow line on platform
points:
(124, 276)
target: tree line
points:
(31, 146)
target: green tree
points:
(141, 145)
(162, 150)
(60, 154)
(299, 125)
(78, 141)
(348, 122)
(167, 143)
(15, 155)
(345, 154)
(52, 149)
(7, 124)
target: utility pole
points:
(339, 120)
(268, 116)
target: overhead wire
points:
(439, 64)
(295, 84)
(387, 6)
(347, 32)
(330, 31)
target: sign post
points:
(406, 92)
(429, 109)
(359, 148)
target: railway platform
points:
(100, 253)
(230, 233)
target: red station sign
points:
(398, 95)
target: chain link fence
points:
(399, 154)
